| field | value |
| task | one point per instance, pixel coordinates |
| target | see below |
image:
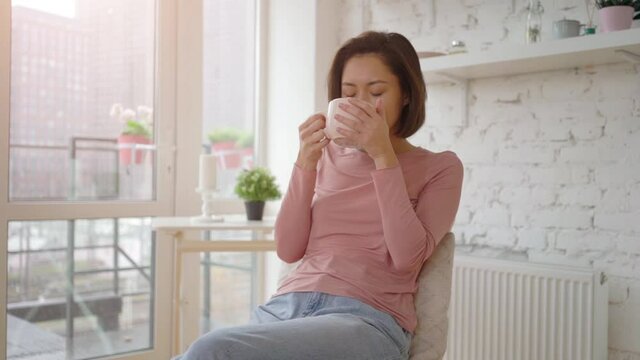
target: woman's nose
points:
(365, 97)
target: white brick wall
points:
(552, 159)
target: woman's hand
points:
(369, 130)
(312, 141)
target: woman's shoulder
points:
(421, 167)
(420, 156)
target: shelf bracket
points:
(629, 56)
(464, 96)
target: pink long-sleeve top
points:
(365, 233)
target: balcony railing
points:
(89, 168)
(32, 301)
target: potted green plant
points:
(256, 186)
(224, 144)
(224, 138)
(137, 129)
(615, 15)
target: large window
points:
(88, 147)
(231, 282)
(80, 159)
(82, 96)
(229, 87)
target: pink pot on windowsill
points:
(229, 156)
(127, 150)
(615, 18)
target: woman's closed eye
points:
(377, 90)
(374, 94)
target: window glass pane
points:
(229, 86)
(135, 242)
(230, 283)
(228, 296)
(111, 302)
(82, 91)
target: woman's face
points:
(367, 77)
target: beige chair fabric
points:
(431, 302)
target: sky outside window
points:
(59, 7)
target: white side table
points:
(175, 227)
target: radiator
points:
(506, 310)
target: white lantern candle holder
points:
(207, 187)
(208, 195)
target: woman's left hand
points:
(369, 128)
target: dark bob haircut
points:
(399, 55)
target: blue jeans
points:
(307, 325)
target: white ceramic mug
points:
(566, 28)
(332, 125)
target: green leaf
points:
(224, 134)
(607, 3)
(257, 185)
(134, 127)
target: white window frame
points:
(178, 109)
(165, 203)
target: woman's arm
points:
(293, 223)
(411, 236)
(294, 219)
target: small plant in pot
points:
(256, 186)
(138, 129)
(615, 15)
(224, 143)
(224, 137)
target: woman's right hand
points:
(312, 141)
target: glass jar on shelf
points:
(534, 22)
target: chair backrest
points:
(432, 303)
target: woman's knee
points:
(215, 345)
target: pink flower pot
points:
(229, 157)
(126, 153)
(221, 146)
(614, 18)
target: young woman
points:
(362, 221)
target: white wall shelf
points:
(513, 59)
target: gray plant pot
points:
(254, 209)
